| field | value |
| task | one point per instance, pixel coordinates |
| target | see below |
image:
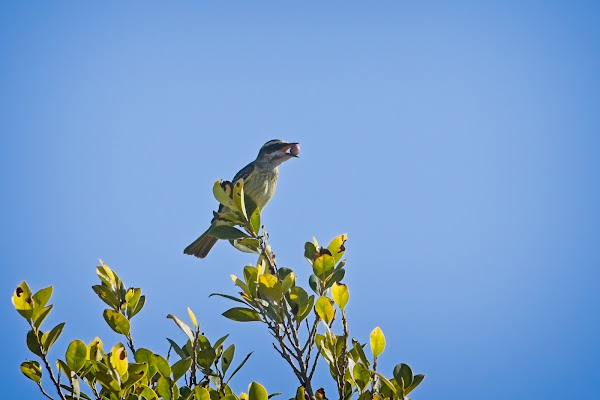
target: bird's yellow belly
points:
(261, 187)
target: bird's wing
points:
(245, 172)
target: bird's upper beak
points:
(287, 147)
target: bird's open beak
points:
(287, 147)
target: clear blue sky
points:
(455, 142)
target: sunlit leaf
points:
(340, 294)
(117, 322)
(257, 392)
(22, 300)
(106, 295)
(222, 192)
(323, 266)
(118, 359)
(76, 355)
(201, 393)
(270, 286)
(336, 247)
(324, 309)
(377, 342)
(362, 376)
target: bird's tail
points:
(201, 246)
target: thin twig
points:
(44, 392)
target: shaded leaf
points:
(226, 232)
(242, 314)
(180, 368)
(361, 375)
(106, 295)
(417, 379)
(40, 315)
(227, 357)
(52, 336)
(239, 366)
(33, 342)
(32, 370)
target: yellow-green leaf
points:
(288, 282)
(117, 321)
(118, 359)
(22, 300)
(192, 317)
(340, 294)
(238, 196)
(336, 247)
(377, 342)
(257, 392)
(94, 350)
(222, 192)
(323, 265)
(201, 393)
(76, 355)
(270, 286)
(32, 370)
(324, 309)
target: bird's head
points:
(277, 151)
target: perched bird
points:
(260, 179)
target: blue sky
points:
(456, 144)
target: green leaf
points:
(135, 372)
(183, 326)
(106, 295)
(340, 294)
(288, 282)
(222, 192)
(41, 297)
(377, 342)
(385, 381)
(257, 392)
(324, 309)
(117, 322)
(132, 298)
(247, 245)
(270, 286)
(362, 376)
(148, 393)
(32, 370)
(239, 366)
(227, 358)
(298, 299)
(336, 247)
(300, 393)
(337, 276)
(76, 355)
(163, 388)
(255, 220)
(138, 306)
(315, 284)
(52, 336)
(180, 368)
(106, 275)
(226, 232)
(238, 196)
(94, 350)
(118, 359)
(310, 251)
(323, 266)
(40, 315)
(307, 309)
(162, 365)
(220, 341)
(108, 381)
(228, 297)
(206, 357)
(22, 300)
(403, 374)
(241, 314)
(33, 343)
(417, 379)
(201, 393)
(177, 349)
(361, 353)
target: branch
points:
(44, 392)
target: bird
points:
(260, 179)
